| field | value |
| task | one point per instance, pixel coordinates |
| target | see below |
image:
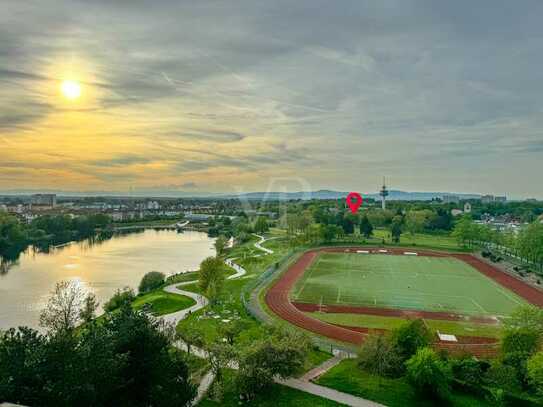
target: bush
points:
(502, 376)
(379, 356)
(535, 372)
(121, 297)
(429, 375)
(469, 370)
(150, 281)
(410, 337)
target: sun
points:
(70, 89)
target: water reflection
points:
(102, 264)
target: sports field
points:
(404, 282)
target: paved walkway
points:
(262, 240)
(175, 317)
(302, 384)
(328, 393)
(322, 368)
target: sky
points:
(239, 96)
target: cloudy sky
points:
(249, 95)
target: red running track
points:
(277, 297)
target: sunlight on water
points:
(98, 267)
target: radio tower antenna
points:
(384, 194)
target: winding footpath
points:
(304, 383)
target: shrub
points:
(502, 376)
(468, 370)
(535, 372)
(150, 281)
(429, 375)
(121, 297)
(379, 356)
(410, 337)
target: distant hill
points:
(394, 195)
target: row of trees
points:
(527, 244)
(261, 355)
(124, 359)
(46, 230)
(516, 373)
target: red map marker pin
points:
(354, 200)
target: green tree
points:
(366, 228)
(379, 356)
(220, 245)
(281, 355)
(126, 360)
(330, 232)
(535, 372)
(530, 244)
(121, 297)
(526, 316)
(212, 277)
(396, 229)
(63, 309)
(152, 374)
(13, 239)
(517, 346)
(219, 356)
(347, 224)
(191, 335)
(429, 375)
(417, 221)
(410, 337)
(88, 311)
(467, 233)
(261, 225)
(151, 281)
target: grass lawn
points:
(348, 378)
(420, 239)
(406, 282)
(388, 323)
(278, 395)
(163, 302)
(229, 302)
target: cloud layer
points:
(220, 96)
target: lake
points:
(99, 267)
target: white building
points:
(44, 199)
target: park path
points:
(302, 384)
(322, 368)
(328, 393)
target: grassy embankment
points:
(162, 303)
(229, 306)
(378, 322)
(277, 395)
(438, 241)
(349, 378)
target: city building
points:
(451, 199)
(44, 200)
(487, 199)
(491, 198)
(467, 207)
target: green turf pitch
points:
(406, 282)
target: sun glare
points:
(70, 89)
